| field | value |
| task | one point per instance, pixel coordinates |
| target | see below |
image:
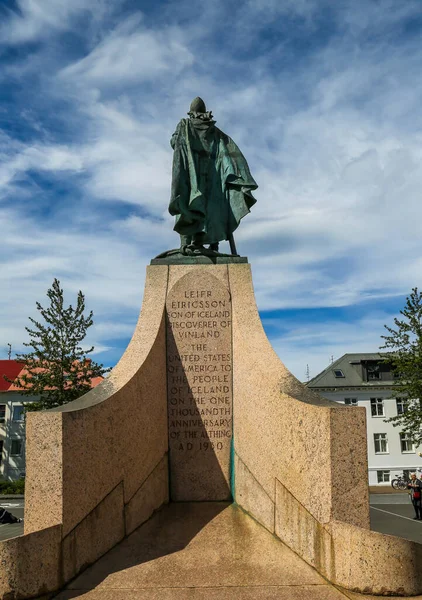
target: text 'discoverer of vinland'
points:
(199, 389)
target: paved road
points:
(393, 514)
(390, 513)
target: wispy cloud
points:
(131, 54)
(315, 345)
(323, 98)
(34, 20)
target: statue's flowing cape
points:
(211, 185)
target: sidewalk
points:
(384, 489)
(10, 496)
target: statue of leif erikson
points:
(211, 184)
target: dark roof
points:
(10, 368)
(349, 364)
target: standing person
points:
(415, 487)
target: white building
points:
(366, 380)
(12, 423)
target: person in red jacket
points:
(415, 487)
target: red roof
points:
(10, 368)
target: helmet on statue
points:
(197, 106)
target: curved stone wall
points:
(97, 467)
(349, 556)
(301, 466)
(284, 431)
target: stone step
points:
(303, 592)
(198, 551)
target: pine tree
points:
(57, 369)
(405, 359)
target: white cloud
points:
(313, 344)
(96, 264)
(126, 159)
(35, 19)
(332, 137)
(54, 158)
(131, 54)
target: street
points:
(393, 514)
(390, 513)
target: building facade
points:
(366, 380)
(12, 421)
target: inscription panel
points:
(199, 388)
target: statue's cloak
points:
(211, 183)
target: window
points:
(381, 444)
(18, 413)
(16, 448)
(2, 413)
(338, 373)
(383, 476)
(351, 401)
(406, 443)
(377, 407)
(401, 406)
(373, 372)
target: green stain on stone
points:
(232, 471)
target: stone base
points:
(99, 467)
(179, 259)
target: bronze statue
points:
(211, 183)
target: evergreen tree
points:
(405, 357)
(57, 368)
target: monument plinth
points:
(101, 466)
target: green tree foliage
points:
(404, 354)
(57, 368)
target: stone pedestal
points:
(200, 408)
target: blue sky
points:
(322, 97)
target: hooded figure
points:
(211, 182)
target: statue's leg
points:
(214, 246)
(185, 240)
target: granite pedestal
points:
(200, 410)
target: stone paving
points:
(102, 581)
(201, 551)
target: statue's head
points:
(199, 113)
(197, 105)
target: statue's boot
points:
(198, 239)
